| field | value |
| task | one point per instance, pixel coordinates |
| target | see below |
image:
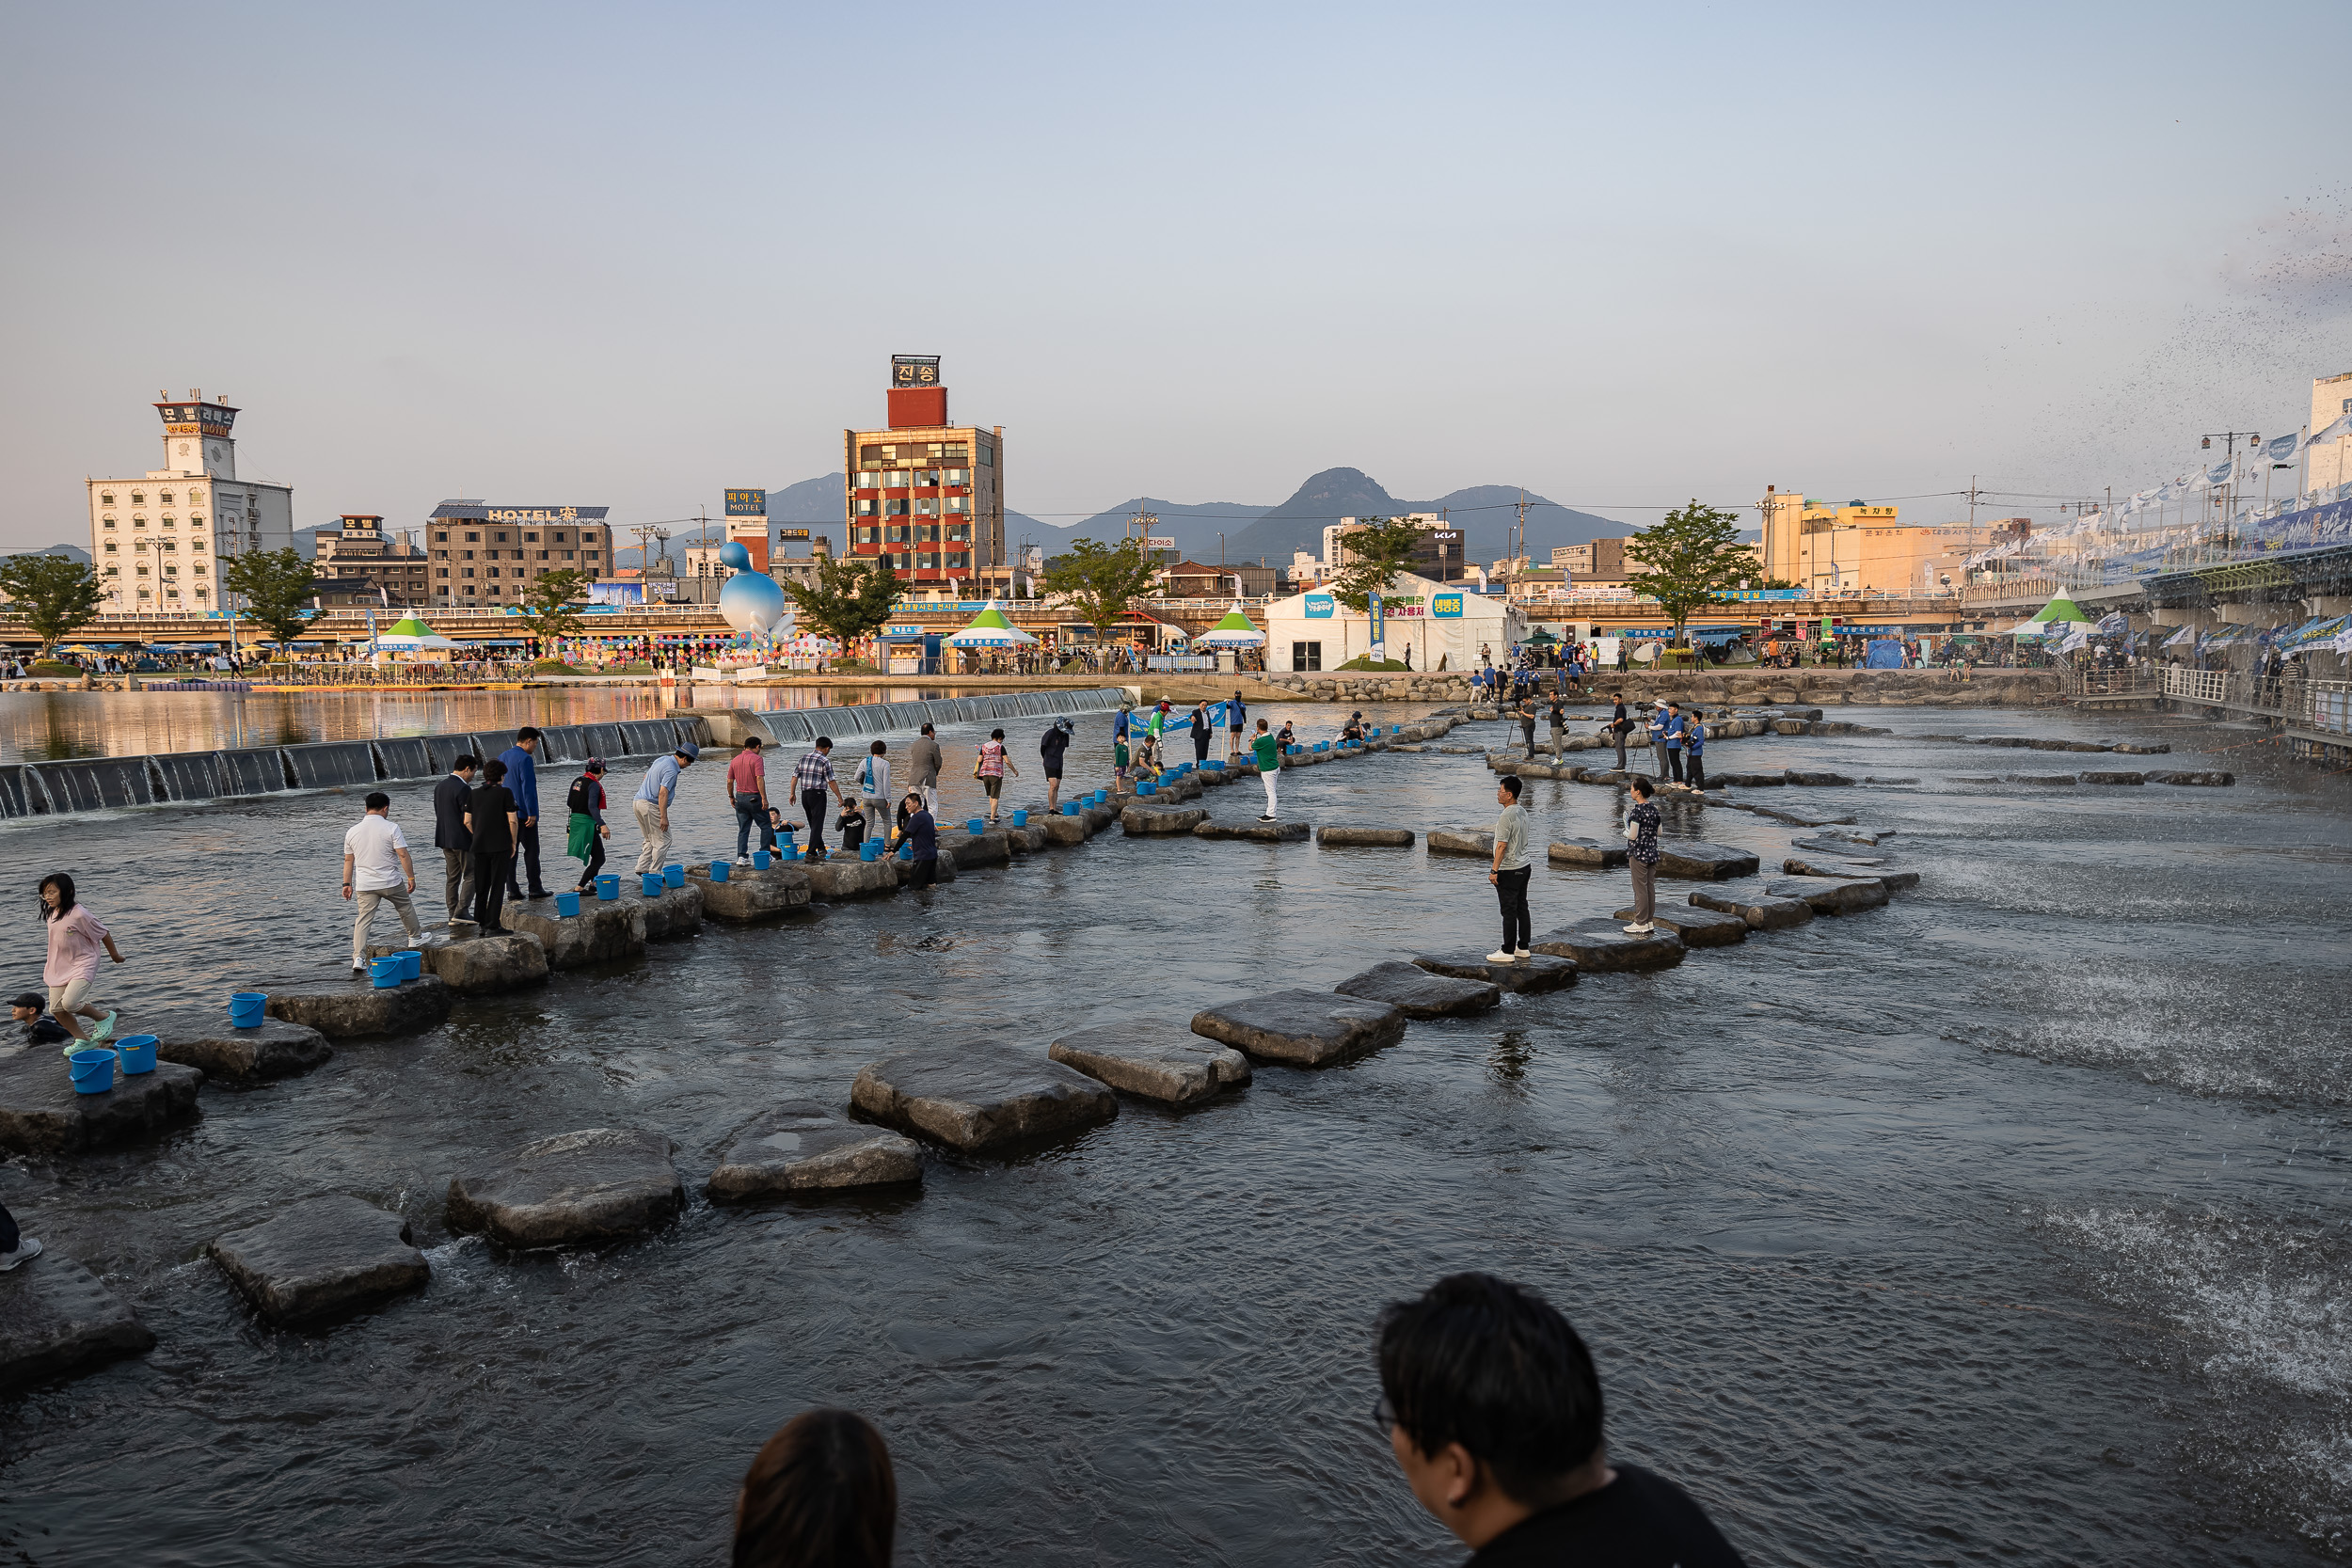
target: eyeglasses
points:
(1384, 1415)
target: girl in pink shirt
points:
(75, 940)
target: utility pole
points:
(1518, 546)
(1141, 525)
(1972, 506)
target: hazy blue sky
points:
(583, 254)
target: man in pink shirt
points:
(75, 937)
(747, 790)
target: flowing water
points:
(2004, 1223)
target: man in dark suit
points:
(450, 837)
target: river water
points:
(2006, 1224)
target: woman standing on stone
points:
(819, 1493)
(1641, 832)
(990, 766)
(75, 940)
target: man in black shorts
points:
(1050, 751)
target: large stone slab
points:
(1588, 853)
(803, 1146)
(974, 850)
(1141, 819)
(602, 1184)
(1255, 833)
(39, 1112)
(1831, 895)
(2113, 778)
(1540, 973)
(748, 895)
(358, 1010)
(1065, 830)
(2209, 778)
(1417, 992)
(1844, 850)
(1761, 913)
(1748, 781)
(482, 966)
(2052, 779)
(979, 1096)
(57, 1321)
(1302, 1028)
(271, 1049)
(1691, 858)
(1154, 1060)
(600, 933)
(672, 913)
(1602, 946)
(1460, 841)
(1797, 818)
(320, 1258)
(1358, 835)
(1696, 925)
(845, 876)
(1837, 866)
(1816, 780)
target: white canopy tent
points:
(1435, 620)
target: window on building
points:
(864, 508)
(164, 497)
(197, 544)
(203, 592)
(138, 498)
(591, 554)
(470, 588)
(467, 555)
(567, 555)
(200, 570)
(958, 531)
(105, 498)
(142, 569)
(988, 455)
(440, 571)
(110, 522)
(138, 521)
(145, 595)
(195, 522)
(114, 571)
(531, 538)
(500, 536)
(1304, 656)
(473, 538)
(167, 522)
(466, 571)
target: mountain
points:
(72, 552)
(1195, 528)
(1483, 512)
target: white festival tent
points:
(989, 629)
(1234, 631)
(1435, 620)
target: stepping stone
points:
(1338, 835)
(1696, 925)
(603, 1184)
(321, 1258)
(1606, 776)
(1815, 781)
(1899, 882)
(1853, 854)
(360, 1009)
(1302, 1028)
(1418, 993)
(845, 876)
(805, 1146)
(1029, 840)
(978, 1097)
(39, 1112)
(1751, 781)
(1260, 832)
(2113, 778)
(2038, 778)
(1064, 830)
(57, 1321)
(974, 850)
(1138, 820)
(476, 966)
(2067, 746)
(1602, 946)
(672, 913)
(1461, 841)
(1706, 862)
(600, 933)
(1879, 781)
(750, 894)
(1587, 853)
(1975, 779)
(1831, 866)
(1831, 895)
(2142, 751)
(1761, 914)
(1155, 1060)
(1802, 819)
(275, 1048)
(1541, 973)
(2207, 779)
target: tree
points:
(53, 594)
(546, 605)
(276, 584)
(850, 599)
(1099, 582)
(1689, 559)
(1377, 551)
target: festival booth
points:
(1228, 638)
(1438, 621)
(989, 629)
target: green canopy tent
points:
(1541, 638)
(2060, 608)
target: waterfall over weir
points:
(100, 783)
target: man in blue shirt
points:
(1695, 748)
(1674, 730)
(652, 805)
(522, 782)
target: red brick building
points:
(926, 496)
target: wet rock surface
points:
(2210, 779)
(1816, 779)
(1143, 818)
(803, 1145)
(979, 1096)
(1258, 833)
(1602, 946)
(2046, 779)
(475, 966)
(749, 894)
(1761, 911)
(1696, 925)
(1461, 841)
(1691, 858)
(845, 876)
(360, 1009)
(671, 913)
(1418, 993)
(1844, 850)
(1541, 973)
(1833, 867)
(601, 1184)
(1302, 1028)
(600, 933)
(974, 851)
(1154, 1060)
(320, 1258)
(2112, 777)
(1797, 817)
(1587, 853)
(273, 1049)
(40, 1113)
(1358, 835)
(56, 1321)
(1831, 895)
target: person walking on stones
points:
(451, 838)
(651, 807)
(1269, 755)
(873, 785)
(1050, 750)
(1641, 832)
(1559, 720)
(377, 870)
(924, 760)
(1693, 751)
(1236, 716)
(492, 820)
(1201, 732)
(75, 939)
(586, 830)
(747, 787)
(1675, 727)
(522, 779)
(1527, 726)
(990, 766)
(1619, 727)
(921, 831)
(1511, 872)
(813, 776)
(819, 1495)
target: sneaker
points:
(358, 968)
(1500, 956)
(742, 859)
(1642, 929)
(104, 1029)
(27, 1246)
(1266, 817)
(1523, 954)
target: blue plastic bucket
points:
(674, 875)
(1147, 788)
(719, 870)
(1069, 808)
(135, 1054)
(762, 860)
(246, 1009)
(650, 883)
(385, 972)
(868, 848)
(411, 963)
(567, 903)
(906, 850)
(1214, 763)
(608, 886)
(93, 1070)
(974, 826)
(1021, 818)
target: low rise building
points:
(925, 497)
(392, 570)
(484, 554)
(158, 542)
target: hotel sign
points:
(747, 503)
(533, 515)
(914, 370)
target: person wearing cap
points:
(652, 805)
(585, 841)
(1658, 739)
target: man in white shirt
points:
(377, 870)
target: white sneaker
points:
(742, 859)
(1524, 954)
(1643, 929)
(1500, 956)
(27, 1246)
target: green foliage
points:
(1365, 661)
(850, 598)
(1099, 581)
(54, 667)
(1376, 552)
(54, 595)
(1689, 559)
(547, 604)
(276, 586)
(552, 667)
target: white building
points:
(1446, 622)
(2328, 463)
(157, 542)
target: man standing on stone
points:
(1511, 872)
(1527, 726)
(1673, 728)
(522, 782)
(747, 790)
(1657, 740)
(376, 869)
(1269, 754)
(652, 806)
(813, 775)
(451, 838)
(1050, 750)
(1236, 716)
(1559, 718)
(1619, 727)
(1201, 732)
(491, 819)
(1694, 750)
(923, 763)
(1641, 832)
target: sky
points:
(631, 256)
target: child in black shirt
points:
(852, 825)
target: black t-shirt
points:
(1056, 741)
(1639, 1520)
(489, 804)
(586, 798)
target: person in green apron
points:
(585, 841)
